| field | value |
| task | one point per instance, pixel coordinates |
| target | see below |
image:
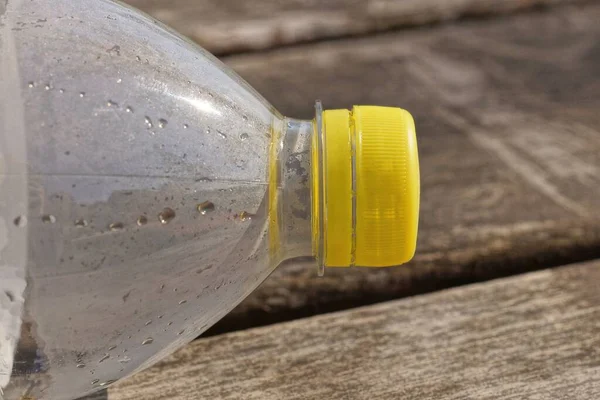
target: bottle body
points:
(135, 194)
(145, 190)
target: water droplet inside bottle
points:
(95, 381)
(119, 80)
(124, 360)
(221, 134)
(148, 121)
(81, 365)
(205, 207)
(48, 219)
(162, 123)
(111, 103)
(138, 58)
(107, 383)
(47, 87)
(112, 347)
(243, 136)
(80, 223)
(20, 221)
(82, 94)
(62, 90)
(142, 220)
(147, 341)
(104, 358)
(31, 84)
(180, 332)
(185, 126)
(182, 302)
(129, 109)
(148, 322)
(170, 323)
(116, 226)
(245, 118)
(166, 215)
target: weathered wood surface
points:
(226, 26)
(532, 336)
(508, 128)
(101, 395)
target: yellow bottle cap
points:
(370, 172)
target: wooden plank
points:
(227, 26)
(533, 336)
(100, 395)
(508, 129)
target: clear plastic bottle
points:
(145, 190)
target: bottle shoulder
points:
(105, 90)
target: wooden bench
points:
(507, 112)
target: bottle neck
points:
(344, 188)
(290, 194)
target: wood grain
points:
(228, 26)
(100, 395)
(533, 336)
(508, 131)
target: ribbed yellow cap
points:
(370, 187)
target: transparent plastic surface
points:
(133, 194)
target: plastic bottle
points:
(145, 190)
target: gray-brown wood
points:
(101, 395)
(508, 128)
(226, 26)
(531, 336)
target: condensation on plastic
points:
(133, 176)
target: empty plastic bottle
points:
(145, 190)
